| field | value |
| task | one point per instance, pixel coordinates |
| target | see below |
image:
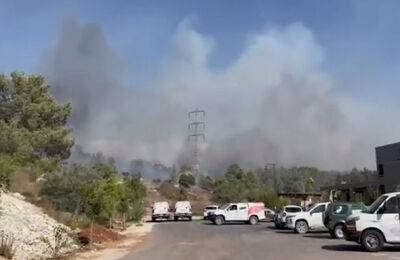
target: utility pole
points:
(274, 176)
(196, 128)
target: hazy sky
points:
(358, 42)
(361, 39)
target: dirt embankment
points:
(35, 235)
(111, 249)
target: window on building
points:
(380, 170)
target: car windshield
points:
(310, 207)
(292, 209)
(375, 205)
(225, 206)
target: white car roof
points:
(392, 194)
(292, 206)
(182, 203)
(160, 203)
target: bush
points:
(61, 241)
(7, 249)
(186, 180)
(206, 182)
(273, 201)
(169, 191)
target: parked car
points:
(239, 212)
(160, 211)
(336, 214)
(289, 210)
(310, 219)
(376, 225)
(183, 210)
(269, 215)
(208, 210)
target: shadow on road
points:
(289, 232)
(318, 236)
(357, 248)
(229, 224)
(345, 248)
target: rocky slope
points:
(33, 231)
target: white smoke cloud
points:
(275, 103)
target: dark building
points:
(388, 167)
(386, 180)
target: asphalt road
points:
(198, 240)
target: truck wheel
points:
(176, 218)
(219, 220)
(277, 225)
(253, 220)
(153, 219)
(338, 231)
(190, 218)
(301, 227)
(372, 241)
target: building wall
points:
(388, 153)
(388, 166)
(391, 176)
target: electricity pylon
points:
(196, 129)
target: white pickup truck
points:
(160, 211)
(310, 219)
(183, 210)
(239, 212)
(209, 210)
(282, 215)
(376, 225)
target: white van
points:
(376, 225)
(160, 211)
(239, 212)
(183, 210)
(311, 219)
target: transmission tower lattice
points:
(196, 128)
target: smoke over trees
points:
(274, 103)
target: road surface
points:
(198, 240)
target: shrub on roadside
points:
(7, 249)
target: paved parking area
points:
(198, 240)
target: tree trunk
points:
(91, 233)
(123, 220)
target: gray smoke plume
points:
(273, 104)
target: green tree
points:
(33, 126)
(111, 195)
(93, 205)
(135, 194)
(186, 180)
(206, 182)
(234, 172)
